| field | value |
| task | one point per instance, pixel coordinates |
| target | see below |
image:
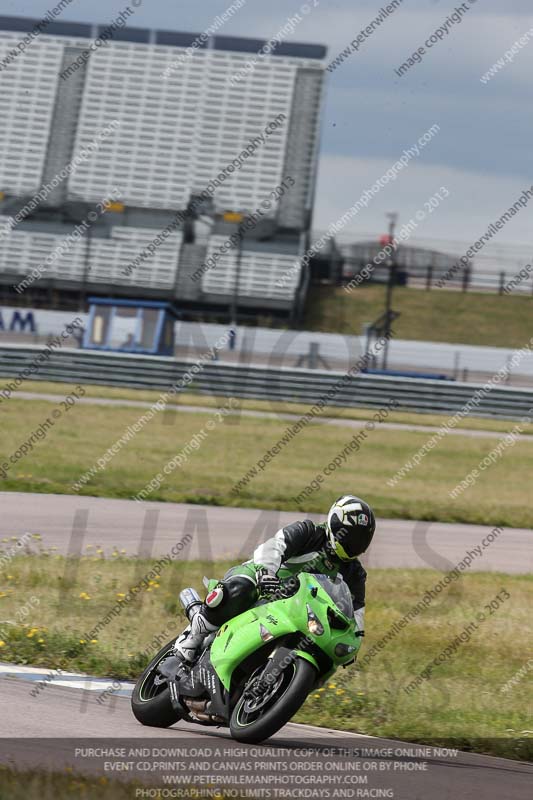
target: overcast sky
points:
(483, 153)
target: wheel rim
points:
(153, 684)
(250, 709)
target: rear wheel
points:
(254, 718)
(150, 701)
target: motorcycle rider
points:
(331, 548)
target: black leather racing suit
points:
(299, 547)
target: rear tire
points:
(297, 685)
(150, 702)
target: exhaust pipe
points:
(191, 602)
(200, 710)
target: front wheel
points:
(150, 701)
(256, 719)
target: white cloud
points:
(475, 199)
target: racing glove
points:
(267, 582)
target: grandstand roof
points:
(164, 38)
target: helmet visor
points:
(348, 544)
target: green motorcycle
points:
(257, 670)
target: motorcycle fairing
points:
(246, 633)
(203, 679)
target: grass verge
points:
(464, 700)
(40, 784)
(436, 316)
(273, 407)
(83, 435)
(36, 784)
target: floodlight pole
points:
(393, 219)
(237, 281)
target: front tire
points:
(150, 701)
(252, 727)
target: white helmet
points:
(350, 526)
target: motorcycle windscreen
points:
(339, 593)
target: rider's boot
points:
(188, 645)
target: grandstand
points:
(180, 145)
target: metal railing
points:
(259, 382)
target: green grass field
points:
(270, 406)
(436, 316)
(463, 700)
(84, 433)
(42, 785)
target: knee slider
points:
(214, 598)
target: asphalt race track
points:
(47, 729)
(70, 523)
